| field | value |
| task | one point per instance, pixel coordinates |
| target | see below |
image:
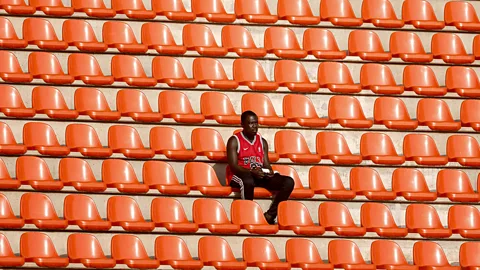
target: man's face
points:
(250, 126)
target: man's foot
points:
(270, 219)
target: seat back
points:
(6, 29)
(83, 246)
(429, 109)
(364, 41)
(6, 134)
(214, 103)
(80, 207)
(287, 71)
(123, 208)
(248, 70)
(207, 139)
(237, 36)
(429, 254)
(208, 69)
(124, 137)
(376, 215)
(167, 210)
(324, 178)
(37, 206)
(160, 6)
(6, 250)
(463, 217)
(46, 3)
(36, 245)
(126, 66)
(390, 108)
(4, 175)
(207, 6)
(251, 7)
(75, 170)
(39, 134)
(83, 4)
(209, 211)
(258, 103)
(344, 252)
(200, 174)
(405, 42)
(376, 144)
(298, 250)
(118, 33)
(334, 214)
(129, 101)
(280, 38)
(127, 247)
(331, 143)
(462, 146)
(166, 67)
(457, 12)
(316, 39)
(298, 106)
(90, 99)
(158, 173)
(170, 102)
(9, 63)
(467, 254)
(336, 9)
(44, 63)
(83, 65)
(387, 252)
(165, 138)
(32, 168)
(80, 30)
(447, 44)
(333, 73)
(6, 211)
(343, 107)
(293, 8)
(453, 181)
(292, 213)
(214, 249)
(118, 171)
(419, 76)
(376, 74)
(409, 180)
(468, 111)
(286, 170)
(36, 29)
(127, 5)
(468, 75)
(418, 10)
(81, 135)
(244, 212)
(377, 9)
(366, 179)
(46, 97)
(169, 247)
(157, 33)
(10, 98)
(258, 250)
(419, 145)
(422, 216)
(290, 142)
(198, 35)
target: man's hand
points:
(258, 173)
(269, 174)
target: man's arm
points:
(266, 161)
(232, 157)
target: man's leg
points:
(246, 184)
(283, 184)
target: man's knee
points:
(288, 183)
(248, 181)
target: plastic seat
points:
(215, 251)
(346, 254)
(250, 73)
(8, 144)
(119, 174)
(469, 115)
(210, 71)
(367, 45)
(379, 148)
(167, 141)
(6, 182)
(367, 182)
(82, 211)
(378, 218)
(464, 220)
(11, 103)
(333, 146)
(124, 211)
(302, 253)
(476, 47)
(10, 70)
(292, 145)
(34, 171)
(431, 255)
(259, 252)
(249, 216)
(339, 13)
(381, 14)
(173, 250)
(387, 254)
(336, 217)
(212, 10)
(466, 255)
(176, 105)
(254, 11)
(92, 102)
(79, 33)
(8, 36)
(347, 112)
(93, 8)
(449, 47)
(210, 214)
(202, 177)
(41, 137)
(86, 68)
(199, 38)
(52, 7)
(77, 172)
(337, 78)
(50, 101)
(169, 213)
(296, 12)
(8, 220)
(463, 80)
(411, 185)
(18, 7)
(422, 80)
(40, 32)
(128, 249)
(293, 75)
(393, 113)
(172, 9)
(408, 47)
(161, 176)
(294, 216)
(128, 69)
(238, 39)
(38, 248)
(158, 36)
(84, 139)
(422, 149)
(282, 42)
(424, 220)
(45, 66)
(7, 257)
(299, 191)
(133, 9)
(219, 107)
(463, 149)
(322, 44)
(421, 15)
(436, 114)
(300, 109)
(134, 104)
(462, 15)
(86, 249)
(456, 186)
(263, 107)
(325, 180)
(119, 35)
(37, 209)
(379, 79)
(170, 71)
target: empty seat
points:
(302, 253)
(449, 47)
(8, 144)
(34, 171)
(393, 113)
(381, 14)
(237, 39)
(176, 105)
(299, 191)
(378, 218)
(158, 36)
(422, 149)
(337, 78)
(336, 217)
(347, 112)
(300, 109)
(124, 211)
(199, 38)
(119, 35)
(283, 43)
(92, 102)
(296, 12)
(6, 182)
(37, 209)
(17, 7)
(463, 149)
(212, 10)
(250, 73)
(339, 13)
(411, 184)
(293, 75)
(469, 114)
(161, 176)
(424, 220)
(10, 69)
(79, 33)
(210, 71)
(86, 68)
(50, 101)
(173, 10)
(167, 141)
(476, 47)
(45, 66)
(86, 249)
(82, 211)
(119, 174)
(77, 172)
(431, 255)
(128, 249)
(422, 80)
(134, 104)
(7, 257)
(367, 182)
(326, 180)
(173, 250)
(408, 47)
(217, 106)
(41, 137)
(170, 71)
(367, 45)
(249, 216)
(133, 9)
(8, 220)
(93, 8)
(379, 79)
(128, 69)
(169, 213)
(456, 186)
(464, 220)
(389, 254)
(333, 146)
(215, 251)
(11, 103)
(322, 44)
(38, 248)
(463, 80)
(421, 15)
(52, 8)
(8, 36)
(40, 32)
(263, 107)
(201, 176)
(346, 254)
(292, 145)
(210, 214)
(462, 15)
(126, 140)
(294, 216)
(467, 258)
(259, 252)
(436, 114)
(254, 11)
(379, 148)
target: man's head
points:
(249, 123)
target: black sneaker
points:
(270, 219)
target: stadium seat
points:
(133, 9)
(422, 81)
(336, 217)
(128, 69)
(77, 172)
(296, 12)
(52, 8)
(408, 47)
(294, 216)
(8, 36)
(124, 211)
(250, 73)
(436, 114)
(126, 140)
(378, 218)
(215, 251)
(367, 182)
(322, 44)
(339, 13)
(346, 254)
(172, 9)
(469, 115)
(50, 101)
(381, 14)
(212, 10)
(263, 107)
(282, 42)
(11, 103)
(449, 47)
(428, 254)
(170, 71)
(40, 32)
(200, 38)
(38, 248)
(208, 142)
(18, 7)
(292, 145)
(411, 184)
(300, 109)
(119, 174)
(41, 137)
(93, 8)
(464, 220)
(379, 148)
(158, 36)
(167, 141)
(218, 107)
(7, 257)
(176, 105)
(456, 186)
(249, 216)
(476, 47)
(393, 113)
(463, 80)
(119, 35)
(337, 78)
(34, 171)
(80, 34)
(367, 45)
(424, 220)
(202, 177)
(128, 249)
(210, 214)
(173, 251)
(10, 69)
(379, 79)
(237, 39)
(421, 15)
(38, 209)
(254, 11)
(86, 68)
(45, 66)
(325, 180)
(422, 149)
(8, 144)
(463, 149)
(169, 213)
(92, 102)
(161, 176)
(462, 15)
(82, 211)
(210, 71)
(387, 254)
(259, 252)
(467, 258)
(8, 220)
(302, 253)
(86, 249)
(347, 112)
(293, 75)
(333, 146)
(134, 104)
(299, 191)
(6, 182)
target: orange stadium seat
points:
(212, 10)
(50, 101)
(296, 12)
(18, 7)
(476, 47)
(463, 149)
(8, 220)
(379, 79)
(45, 66)
(34, 171)
(86, 249)
(82, 211)
(367, 45)
(300, 109)
(210, 71)
(11, 103)
(463, 80)
(6, 181)
(302, 253)
(379, 148)
(76, 172)
(134, 104)
(219, 107)
(381, 14)
(322, 44)
(436, 114)
(249, 216)
(464, 220)
(237, 39)
(210, 214)
(38, 209)
(7, 257)
(170, 71)
(431, 255)
(158, 36)
(79, 33)
(336, 217)
(93, 8)
(200, 38)
(456, 186)
(173, 251)
(124, 211)
(173, 10)
(119, 35)
(346, 254)
(259, 252)
(393, 113)
(250, 73)
(421, 15)
(467, 258)
(254, 11)
(10, 69)
(339, 13)
(411, 185)
(378, 218)
(133, 9)
(41, 137)
(424, 220)
(167, 141)
(128, 249)
(449, 47)
(293, 215)
(38, 248)
(263, 107)
(86, 68)
(8, 36)
(52, 7)
(292, 145)
(169, 213)
(422, 149)
(84, 139)
(469, 115)
(8, 144)
(408, 47)
(176, 105)
(282, 42)
(422, 81)
(119, 174)
(127, 141)
(293, 75)
(129, 69)
(462, 15)
(202, 177)
(333, 146)
(161, 176)
(215, 251)
(388, 254)
(299, 191)
(40, 32)
(347, 112)
(92, 102)
(367, 182)
(337, 78)
(325, 180)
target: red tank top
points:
(250, 154)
